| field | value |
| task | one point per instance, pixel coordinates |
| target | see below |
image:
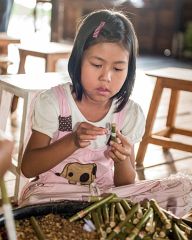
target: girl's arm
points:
(40, 156)
(122, 153)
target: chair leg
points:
(149, 122)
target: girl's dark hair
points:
(117, 29)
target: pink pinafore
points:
(84, 168)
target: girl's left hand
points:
(121, 149)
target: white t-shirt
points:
(46, 113)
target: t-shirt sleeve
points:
(46, 113)
(134, 124)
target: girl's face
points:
(103, 71)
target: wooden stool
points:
(25, 86)
(4, 64)
(5, 40)
(176, 79)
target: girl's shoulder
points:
(132, 109)
(50, 94)
(133, 121)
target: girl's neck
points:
(93, 111)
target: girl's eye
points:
(118, 69)
(97, 65)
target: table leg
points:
(174, 99)
(50, 64)
(22, 61)
(157, 93)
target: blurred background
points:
(163, 27)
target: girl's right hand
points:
(85, 133)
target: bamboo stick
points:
(88, 209)
(129, 215)
(100, 215)
(187, 229)
(125, 205)
(179, 233)
(105, 212)
(139, 213)
(120, 211)
(138, 227)
(100, 230)
(112, 222)
(161, 214)
(149, 227)
(37, 229)
(8, 214)
(93, 199)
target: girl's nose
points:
(106, 75)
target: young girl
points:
(71, 123)
(70, 153)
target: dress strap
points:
(60, 93)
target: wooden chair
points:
(25, 86)
(175, 79)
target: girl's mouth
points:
(102, 91)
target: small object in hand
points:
(113, 132)
(113, 135)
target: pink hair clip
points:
(98, 29)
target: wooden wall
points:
(155, 23)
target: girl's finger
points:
(123, 139)
(113, 157)
(91, 129)
(124, 150)
(119, 156)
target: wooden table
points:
(25, 86)
(175, 79)
(50, 51)
(5, 40)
